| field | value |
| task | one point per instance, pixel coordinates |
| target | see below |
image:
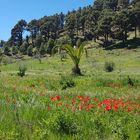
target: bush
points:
(22, 70)
(130, 81)
(66, 125)
(109, 66)
(66, 82)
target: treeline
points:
(106, 20)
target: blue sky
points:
(11, 11)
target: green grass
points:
(27, 111)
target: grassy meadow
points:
(48, 103)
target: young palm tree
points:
(75, 54)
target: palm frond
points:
(74, 53)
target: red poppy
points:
(116, 107)
(129, 109)
(55, 98)
(49, 109)
(108, 107)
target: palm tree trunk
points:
(76, 70)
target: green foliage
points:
(109, 66)
(6, 60)
(28, 111)
(129, 81)
(7, 50)
(22, 70)
(63, 55)
(66, 82)
(63, 40)
(42, 49)
(75, 54)
(17, 32)
(104, 25)
(78, 43)
(66, 125)
(30, 50)
(121, 27)
(50, 46)
(102, 20)
(23, 48)
(15, 50)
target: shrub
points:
(130, 81)
(22, 70)
(109, 66)
(66, 125)
(66, 82)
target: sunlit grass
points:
(27, 111)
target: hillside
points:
(45, 103)
(74, 76)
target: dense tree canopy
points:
(105, 20)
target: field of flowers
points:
(50, 104)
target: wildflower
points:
(116, 107)
(58, 97)
(55, 98)
(67, 106)
(129, 109)
(94, 99)
(108, 107)
(60, 103)
(80, 98)
(73, 109)
(88, 107)
(48, 108)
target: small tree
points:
(75, 54)
(22, 70)
(109, 66)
